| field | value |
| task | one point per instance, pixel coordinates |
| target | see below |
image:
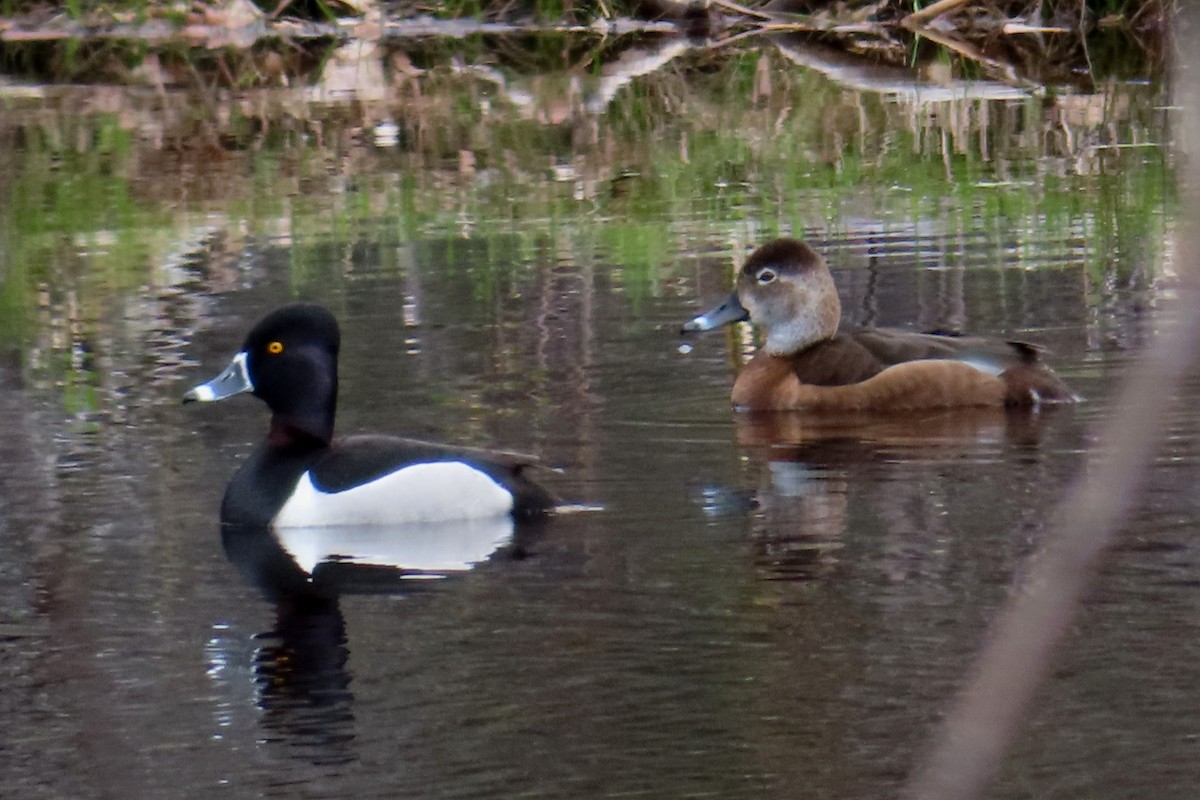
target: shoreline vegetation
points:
(1025, 43)
(134, 156)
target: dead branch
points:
(929, 12)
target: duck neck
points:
(811, 325)
(298, 432)
(305, 415)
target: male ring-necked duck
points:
(807, 362)
(302, 477)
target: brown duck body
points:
(878, 369)
(809, 363)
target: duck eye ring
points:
(766, 275)
(275, 348)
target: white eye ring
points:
(766, 275)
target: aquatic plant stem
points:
(930, 11)
(974, 53)
(729, 5)
(971, 743)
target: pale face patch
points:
(797, 310)
(420, 493)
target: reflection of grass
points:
(698, 152)
(81, 199)
(74, 238)
(799, 153)
(15, 290)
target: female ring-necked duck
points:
(302, 477)
(808, 363)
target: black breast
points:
(263, 484)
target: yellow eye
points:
(275, 348)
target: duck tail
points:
(1031, 384)
(1027, 352)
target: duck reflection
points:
(921, 433)
(332, 560)
(304, 689)
(811, 464)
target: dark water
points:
(764, 606)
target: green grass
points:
(688, 154)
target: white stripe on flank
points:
(983, 365)
(434, 492)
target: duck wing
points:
(989, 355)
(856, 354)
(353, 460)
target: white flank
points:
(436, 492)
(428, 550)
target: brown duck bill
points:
(729, 311)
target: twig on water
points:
(974, 53)
(736, 8)
(927, 13)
